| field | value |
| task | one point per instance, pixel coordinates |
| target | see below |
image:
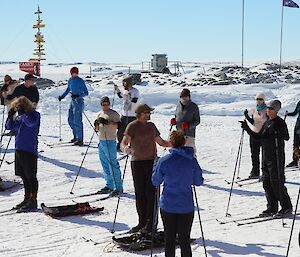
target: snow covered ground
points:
(35, 234)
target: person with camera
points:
(187, 118)
(272, 135)
(255, 122)
(26, 126)
(106, 124)
(78, 90)
(130, 98)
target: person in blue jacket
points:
(78, 90)
(26, 126)
(179, 171)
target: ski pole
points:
(2, 159)
(71, 192)
(59, 114)
(201, 228)
(2, 125)
(89, 122)
(155, 216)
(235, 168)
(119, 196)
(113, 101)
(278, 172)
(240, 158)
(295, 213)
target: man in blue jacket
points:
(77, 89)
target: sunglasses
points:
(104, 104)
(147, 113)
(270, 108)
(259, 99)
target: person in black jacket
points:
(27, 89)
(273, 134)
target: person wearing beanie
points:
(78, 90)
(26, 127)
(187, 117)
(130, 98)
(272, 135)
(296, 142)
(140, 140)
(106, 125)
(7, 79)
(255, 122)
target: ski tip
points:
(71, 193)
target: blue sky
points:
(120, 31)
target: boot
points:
(19, 205)
(30, 205)
(78, 142)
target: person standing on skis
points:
(78, 90)
(273, 134)
(259, 117)
(130, 98)
(178, 171)
(106, 124)
(140, 140)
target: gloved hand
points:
(60, 98)
(11, 113)
(96, 123)
(246, 112)
(173, 121)
(21, 110)
(117, 90)
(244, 124)
(74, 96)
(103, 121)
(185, 125)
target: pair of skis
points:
(253, 219)
(241, 182)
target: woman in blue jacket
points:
(26, 126)
(179, 171)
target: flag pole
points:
(280, 60)
(243, 27)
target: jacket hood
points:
(185, 151)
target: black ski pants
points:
(144, 191)
(26, 168)
(273, 184)
(121, 129)
(180, 224)
(255, 145)
(296, 142)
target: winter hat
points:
(260, 95)
(74, 70)
(29, 77)
(128, 81)
(143, 108)
(104, 99)
(275, 105)
(185, 92)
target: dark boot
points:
(30, 205)
(78, 142)
(19, 205)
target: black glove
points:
(60, 98)
(74, 96)
(103, 121)
(11, 113)
(246, 112)
(96, 123)
(244, 124)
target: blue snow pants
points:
(75, 118)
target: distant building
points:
(159, 62)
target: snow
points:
(221, 107)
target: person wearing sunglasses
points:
(107, 124)
(256, 121)
(273, 134)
